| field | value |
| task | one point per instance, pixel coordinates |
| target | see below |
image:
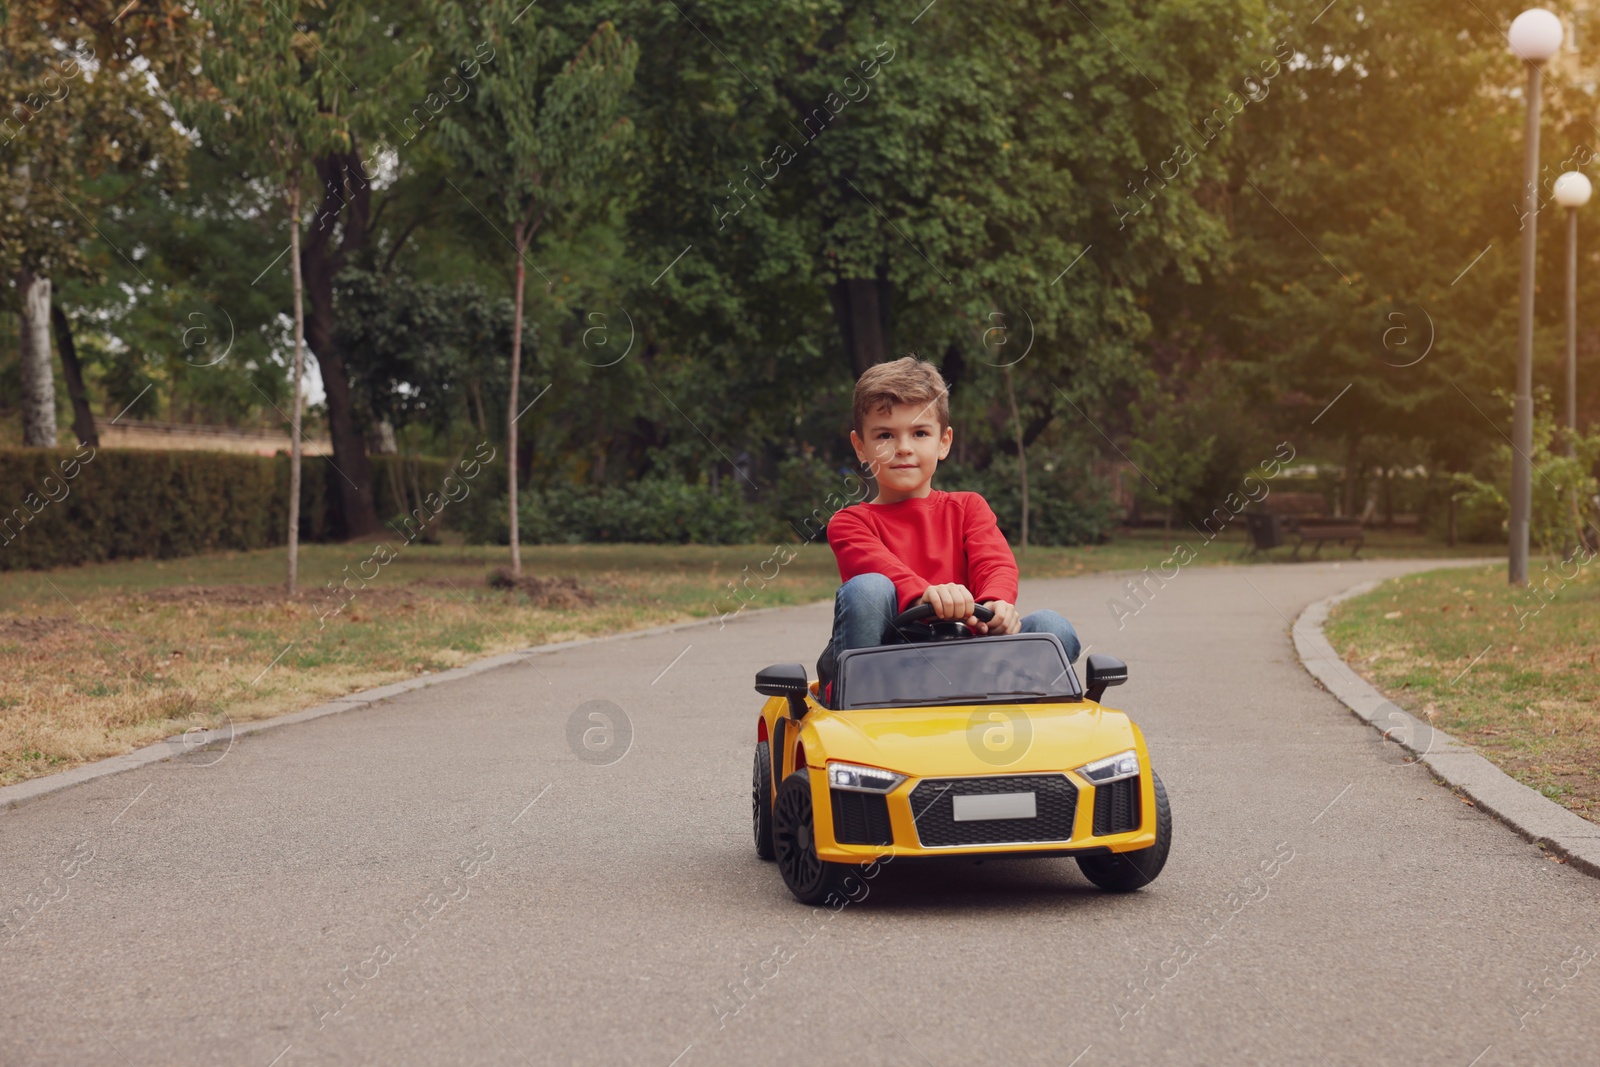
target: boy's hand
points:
(1005, 621)
(952, 601)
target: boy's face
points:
(903, 445)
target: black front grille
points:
(932, 806)
(1116, 807)
(861, 818)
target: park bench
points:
(1268, 530)
(1323, 530)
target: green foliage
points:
(280, 96)
(807, 493)
(59, 510)
(545, 125)
(959, 162)
(1170, 448)
(1381, 166)
(425, 348)
(60, 507)
(1566, 494)
(178, 326)
(83, 98)
(652, 510)
(1068, 504)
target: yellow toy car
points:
(947, 744)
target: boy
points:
(913, 544)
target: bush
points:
(400, 486)
(651, 511)
(62, 507)
(1067, 503)
(1565, 504)
(59, 507)
(807, 494)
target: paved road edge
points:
(12, 796)
(1530, 814)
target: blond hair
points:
(908, 380)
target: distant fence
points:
(61, 507)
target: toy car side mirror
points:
(785, 680)
(1103, 672)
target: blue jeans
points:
(866, 605)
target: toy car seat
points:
(827, 667)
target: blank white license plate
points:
(994, 806)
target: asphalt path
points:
(442, 879)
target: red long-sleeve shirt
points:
(931, 540)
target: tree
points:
(1369, 200)
(905, 177)
(89, 89)
(371, 57)
(277, 104)
(1170, 451)
(536, 139)
(194, 332)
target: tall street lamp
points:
(1535, 36)
(1572, 191)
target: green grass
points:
(1503, 670)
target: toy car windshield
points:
(1018, 669)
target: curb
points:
(1530, 814)
(12, 796)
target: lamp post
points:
(1535, 36)
(1572, 191)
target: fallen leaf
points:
(1393, 614)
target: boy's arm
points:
(991, 568)
(860, 550)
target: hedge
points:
(649, 510)
(1068, 505)
(61, 507)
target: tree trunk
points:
(72, 373)
(475, 394)
(861, 308)
(1022, 455)
(353, 475)
(511, 410)
(38, 372)
(345, 206)
(1351, 459)
(299, 371)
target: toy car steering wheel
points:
(916, 624)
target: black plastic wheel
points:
(811, 879)
(761, 800)
(1123, 872)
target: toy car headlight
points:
(1112, 768)
(862, 779)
